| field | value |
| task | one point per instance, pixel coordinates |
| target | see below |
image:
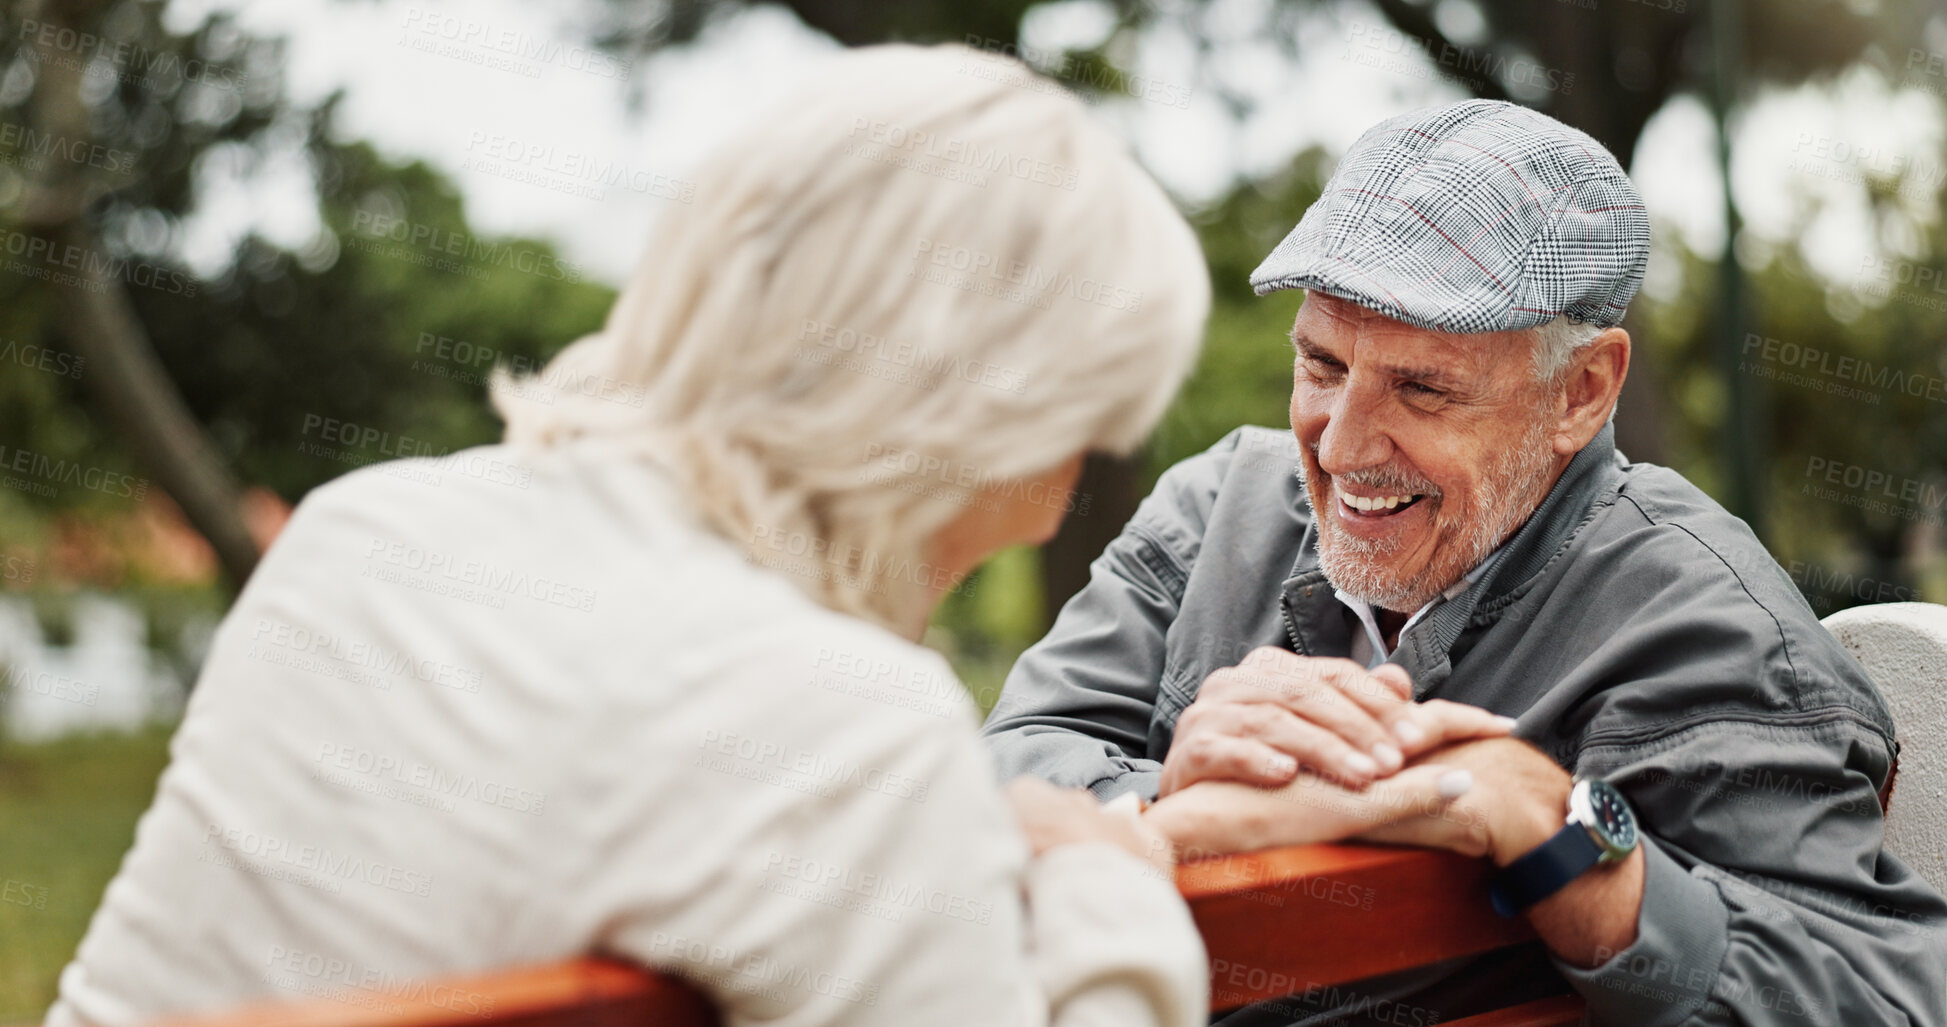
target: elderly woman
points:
(644, 679)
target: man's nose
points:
(1355, 437)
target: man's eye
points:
(1322, 370)
(1423, 391)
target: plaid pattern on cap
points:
(1480, 216)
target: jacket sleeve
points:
(1767, 898)
(1077, 706)
(1752, 748)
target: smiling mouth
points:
(1378, 506)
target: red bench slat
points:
(1274, 922)
(1285, 920)
(579, 993)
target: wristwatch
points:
(1601, 829)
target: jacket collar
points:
(1308, 599)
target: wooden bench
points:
(578, 993)
(1274, 922)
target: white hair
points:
(928, 252)
(1556, 343)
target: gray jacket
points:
(1641, 634)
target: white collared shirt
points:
(1370, 648)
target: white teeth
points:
(1375, 503)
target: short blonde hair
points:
(917, 254)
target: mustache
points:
(1388, 479)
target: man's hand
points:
(1051, 816)
(1519, 800)
(1262, 720)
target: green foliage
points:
(276, 343)
(377, 335)
(989, 619)
(156, 101)
(382, 331)
(1244, 373)
(1851, 373)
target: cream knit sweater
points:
(493, 709)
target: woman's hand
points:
(1213, 818)
(1051, 816)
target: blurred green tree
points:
(1605, 68)
(110, 125)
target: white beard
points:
(1357, 566)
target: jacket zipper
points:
(1290, 625)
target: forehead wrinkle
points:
(1474, 357)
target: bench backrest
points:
(1904, 647)
(1274, 923)
(577, 993)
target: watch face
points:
(1611, 817)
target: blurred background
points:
(245, 248)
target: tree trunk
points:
(1113, 490)
(125, 378)
(129, 385)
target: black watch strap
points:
(1544, 871)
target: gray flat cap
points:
(1478, 216)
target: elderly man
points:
(1689, 811)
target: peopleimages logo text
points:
(138, 61)
(68, 472)
(88, 265)
(433, 239)
(24, 139)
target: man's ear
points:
(1594, 384)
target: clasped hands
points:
(1290, 750)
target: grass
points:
(67, 814)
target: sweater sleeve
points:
(843, 855)
(1112, 941)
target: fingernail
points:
(1361, 764)
(1281, 766)
(1507, 722)
(1410, 733)
(1388, 757)
(1455, 783)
